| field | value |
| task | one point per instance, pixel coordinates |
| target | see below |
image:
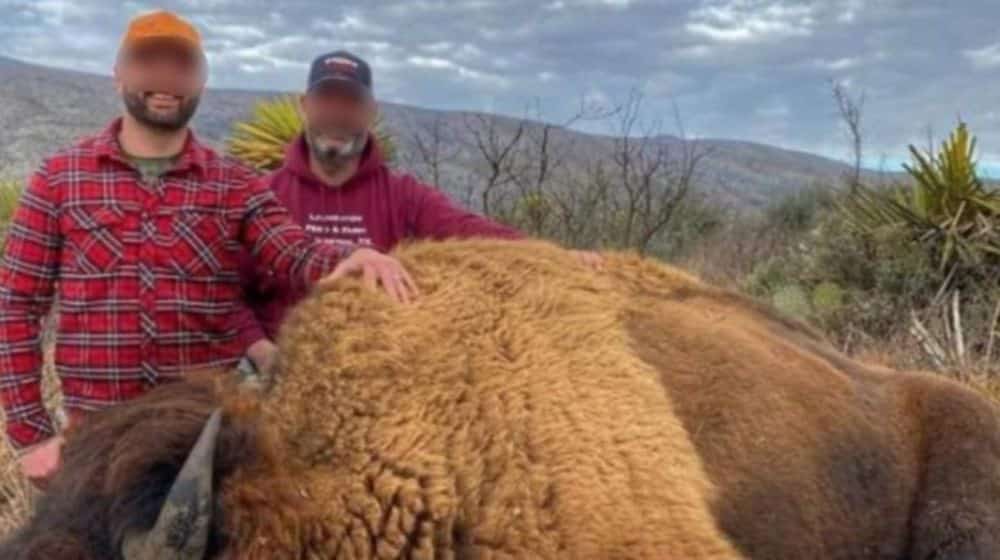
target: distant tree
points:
(652, 175)
(431, 151)
(625, 193)
(498, 152)
(850, 108)
(261, 140)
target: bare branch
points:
(850, 110)
(431, 152)
(498, 152)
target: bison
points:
(504, 415)
(527, 407)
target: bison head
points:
(137, 480)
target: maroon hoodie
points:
(375, 208)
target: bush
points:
(792, 300)
(801, 210)
(10, 194)
(875, 285)
(916, 265)
(696, 218)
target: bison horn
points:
(182, 527)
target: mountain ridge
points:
(44, 108)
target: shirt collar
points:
(193, 154)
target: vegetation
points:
(261, 141)
(10, 194)
(914, 265)
(906, 274)
(946, 206)
(636, 192)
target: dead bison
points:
(815, 455)
(527, 408)
(505, 415)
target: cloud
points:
(751, 20)
(844, 63)
(350, 23)
(985, 57)
(57, 12)
(747, 69)
(435, 63)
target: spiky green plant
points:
(947, 205)
(261, 140)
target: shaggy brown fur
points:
(502, 416)
(119, 466)
(527, 407)
(815, 455)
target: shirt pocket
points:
(93, 238)
(198, 242)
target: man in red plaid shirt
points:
(138, 231)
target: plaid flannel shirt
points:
(146, 275)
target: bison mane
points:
(119, 480)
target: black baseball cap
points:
(343, 68)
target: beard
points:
(333, 155)
(178, 119)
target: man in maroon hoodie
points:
(336, 184)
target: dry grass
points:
(989, 385)
(15, 492)
(15, 495)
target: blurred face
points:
(161, 84)
(337, 121)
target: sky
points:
(755, 70)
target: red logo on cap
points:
(339, 64)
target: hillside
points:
(42, 108)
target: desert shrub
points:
(881, 277)
(792, 300)
(697, 218)
(916, 264)
(801, 210)
(751, 250)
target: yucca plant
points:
(261, 141)
(947, 205)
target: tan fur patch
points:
(503, 415)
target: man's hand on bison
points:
(376, 268)
(263, 354)
(590, 259)
(40, 463)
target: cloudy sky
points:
(748, 69)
